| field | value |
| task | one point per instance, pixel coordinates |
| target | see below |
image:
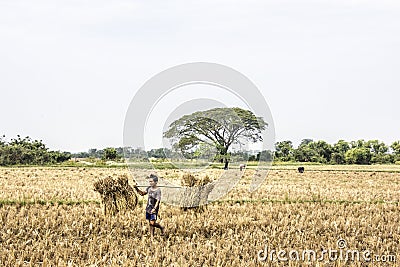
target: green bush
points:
(25, 151)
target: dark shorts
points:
(151, 217)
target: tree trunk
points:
(226, 164)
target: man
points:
(153, 203)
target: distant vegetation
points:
(138, 154)
(342, 152)
(25, 151)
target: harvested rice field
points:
(326, 216)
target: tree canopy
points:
(354, 152)
(219, 128)
(23, 151)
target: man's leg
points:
(157, 225)
(151, 224)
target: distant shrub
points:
(25, 151)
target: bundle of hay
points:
(116, 194)
(195, 197)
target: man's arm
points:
(158, 198)
(140, 192)
(155, 206)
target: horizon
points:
(295, 145)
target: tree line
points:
(139, 154)
(25, 151)
(342, 152)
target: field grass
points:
(53, 217)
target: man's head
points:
(153, 179)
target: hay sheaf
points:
(197, 190)
(116, 194)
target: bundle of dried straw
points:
(116, 194)
(198, 196)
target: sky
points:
(328, 70)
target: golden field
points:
(53, 217)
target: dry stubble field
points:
(52, 217)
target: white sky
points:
(329, 70)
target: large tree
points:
(339, 151)
(219, 128)
(284, 150)
(358, 155)
(109, 153)
(396, 149)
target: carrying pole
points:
(168, 186)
